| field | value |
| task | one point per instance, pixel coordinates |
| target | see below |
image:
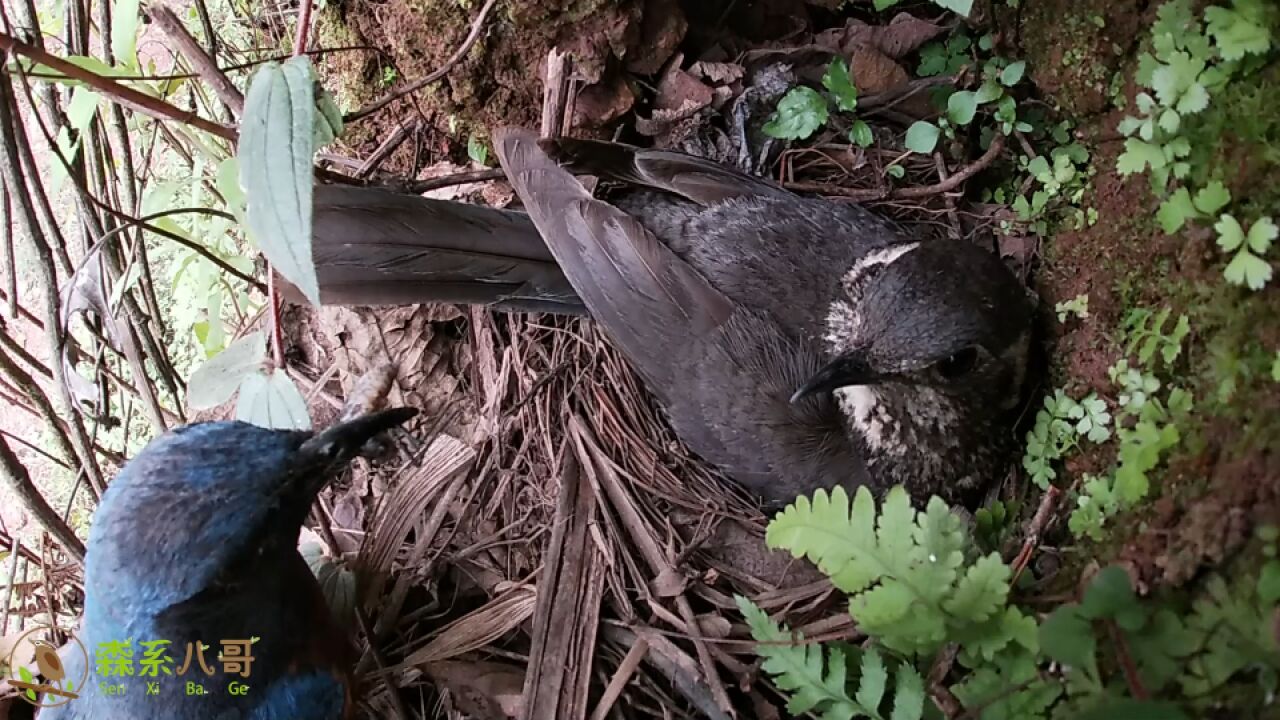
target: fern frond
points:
(908, 694)
(814, 683)
(873, 681)
(983, 590)
(845, 540)
(940, 553)
(816, 680)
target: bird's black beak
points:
(845, 370)
(341, 441)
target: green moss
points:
(344, 72)
(1237, 140)
(1070, 45)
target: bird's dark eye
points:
(958, 364)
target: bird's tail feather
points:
(377, 247)
(696, 179)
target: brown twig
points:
(1131, 676)
(303, 30)
(953, 229)
(1034, 529)
(36, 449)
(127, 96)
(204, 63)
(462, 178)
(942, 696)
(388, 146)
(461, 52)
(10, 258)
(908, 193)
(10, 165)
(19, 481)
(556, 114)
(13, 582)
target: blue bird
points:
(197, 603)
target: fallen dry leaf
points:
(678, 89)
(713, 625)
(669, 583)
(602, 103)
(482, 690)
(875, 72)
(720, 73)
(901, 37)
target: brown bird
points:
(795, 342)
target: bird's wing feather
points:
(645, 296)
(377, 247)
(696, 179)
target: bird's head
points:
(195, 502)
(934, 331)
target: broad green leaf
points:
(885, 4)
(1066, 635)
(837, 82)
(1175, 211)
(961, 107)
(800, 113)
(338, 585)
(214, 382)
(1212, 198)
(329, 122)
(1013, 73)
(227, 182)
(1138, 155)
(82, 108)
(1241, 30)
(860, 134)
(1248, 270)
(1129, 125)
(1230, 234)
(1110, 595)
(124, 32)
(477, 150)
(1261, 235)
(989, 91)
(922, 137)
(275, 154)
(1194, 100)
(272, 402)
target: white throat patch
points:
(862, 406)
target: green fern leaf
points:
(830, 534)
(940, 554)
(873, 681)
(803, 670)
(982, 642)
(897, 521)
(908, 694)
(983, 590)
